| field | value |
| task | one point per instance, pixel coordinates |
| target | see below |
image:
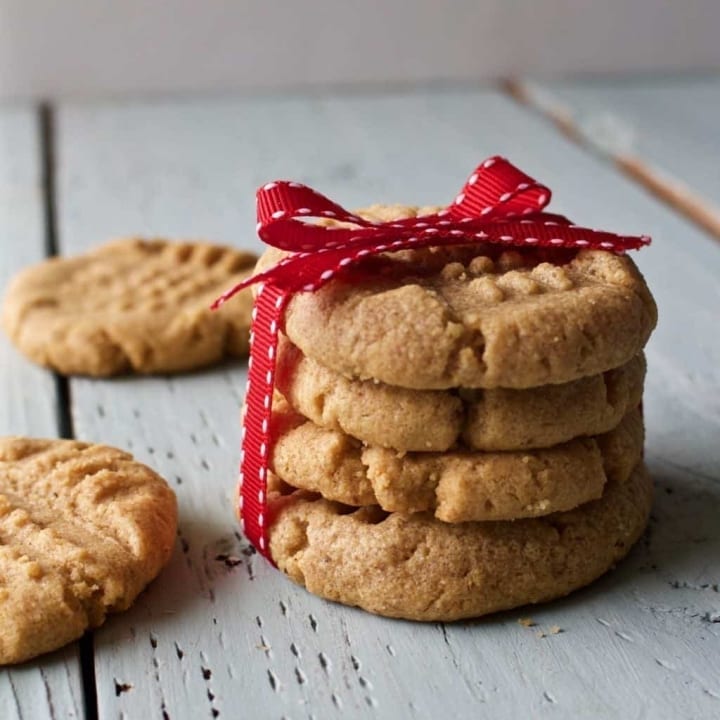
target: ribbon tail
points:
(252, 487)
(267, 275)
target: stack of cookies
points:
(458, 430)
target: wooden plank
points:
(662, 130)
(51, 686)
(241, 640)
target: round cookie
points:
(457, 486)
(83, 529)
(435, 420)
(131, 305)
(418, 568)
(474, 316)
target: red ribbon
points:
(498, 204)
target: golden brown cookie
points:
(435, 420)
(416, 567)
(83, 529)
(131, 305)
(475, 317)
(457, 486)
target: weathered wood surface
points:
(217, 636)
(666, 129)
(28, 397)
(222, 634)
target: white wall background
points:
(57, 48)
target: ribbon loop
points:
(498, 189)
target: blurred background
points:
(81, 48)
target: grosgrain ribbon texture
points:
(499, 204)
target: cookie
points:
(474, 317)
(416, 567)
(456, 486)
(83, 529)
(131, 305)
(435, 420)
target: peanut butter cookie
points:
(436, 420)
(474, 317)
(416, 567)
(131, 305)
(83, 529)
(456, 486)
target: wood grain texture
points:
(50, 687)
(223, 634)
(662, 131)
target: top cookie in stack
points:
(483, 398)
(450, 317)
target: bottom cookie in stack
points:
(416, 567)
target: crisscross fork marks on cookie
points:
(83, 529)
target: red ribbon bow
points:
(499, 204)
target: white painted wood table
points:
(220, 633)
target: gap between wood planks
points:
(671, 191)
(46, 129)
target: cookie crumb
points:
(556, 630)
(228, 560)
(540, 634)
(527, 622)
